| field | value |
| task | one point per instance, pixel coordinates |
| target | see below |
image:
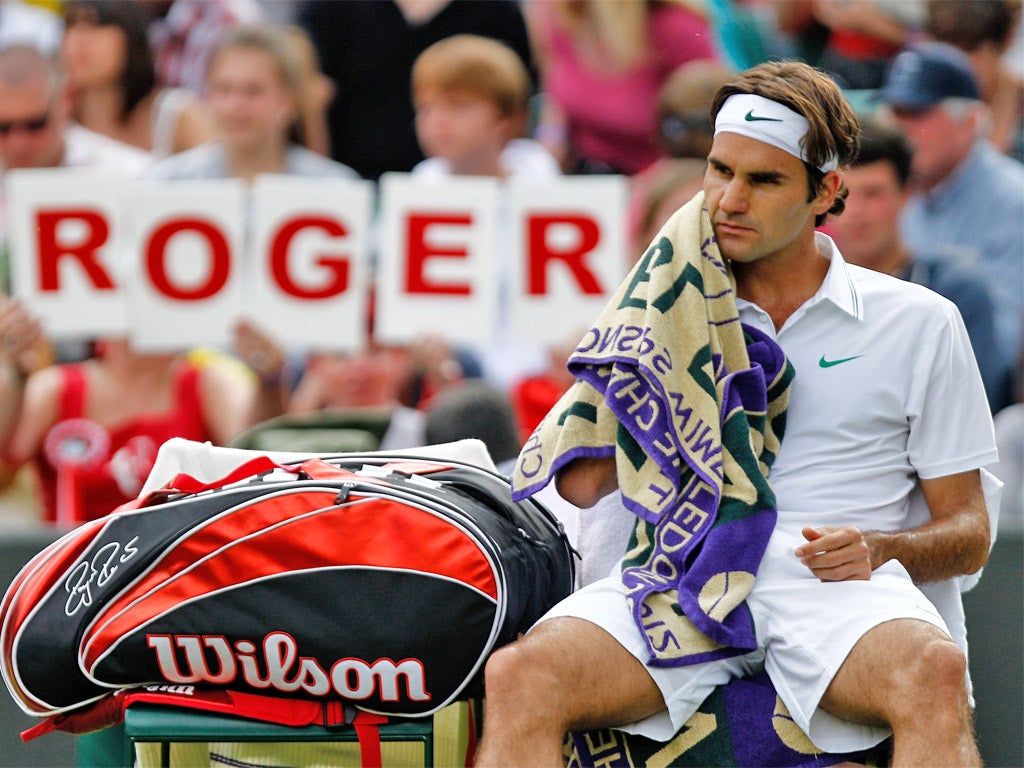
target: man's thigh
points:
(612, 657)
(810, 628)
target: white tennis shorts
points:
(805, 630)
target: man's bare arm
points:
(582, 482)
(954, 542)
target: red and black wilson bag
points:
(382, 582)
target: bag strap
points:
(294, 712)
(367, 727)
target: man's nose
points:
(734, 198)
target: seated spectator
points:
(965, 193)
(602, 66)
(684, 128)
(471, 94)
(254, 90)
(36, 131)
(367, 47)
(255, 93)
(112, 79)
(983, 29)
(91, 430)
(868, 235)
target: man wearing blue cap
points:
(967, 194)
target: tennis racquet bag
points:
(379, 582)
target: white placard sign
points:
(310, 249)
(570, 253)
(66, 249)
(437, 271)
(184, 282)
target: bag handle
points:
(314, 469)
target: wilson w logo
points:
(186, 659)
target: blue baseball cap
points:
(925, 73)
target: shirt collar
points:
(838, 286)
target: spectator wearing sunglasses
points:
(36, 130)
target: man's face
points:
(867, 232)
(757, 198)
(939, 139)
(31, 126)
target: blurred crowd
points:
(217, 89)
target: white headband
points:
(765, 120)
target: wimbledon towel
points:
(692, 406)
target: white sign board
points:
(437, 270)
(184, 284)
(569, 247)
(310, 278)
(66, 249)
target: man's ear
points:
(827, 191)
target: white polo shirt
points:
(886, 388)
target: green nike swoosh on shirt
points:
(823, 363)
(750, 117)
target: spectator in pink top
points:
(602, 64)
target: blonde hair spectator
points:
(478, 65)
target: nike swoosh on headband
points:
(750, 117)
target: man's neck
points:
(781, 283)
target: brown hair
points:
(138, 78)
(834, 130)
(969, 24)
(478, 65)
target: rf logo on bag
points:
(89, 575)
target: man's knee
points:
(901, 671)
(932, 687)
(524, 669)
(938, 670)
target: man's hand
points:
(836, 554)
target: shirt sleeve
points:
(950, 421)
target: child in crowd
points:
(471, 97)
